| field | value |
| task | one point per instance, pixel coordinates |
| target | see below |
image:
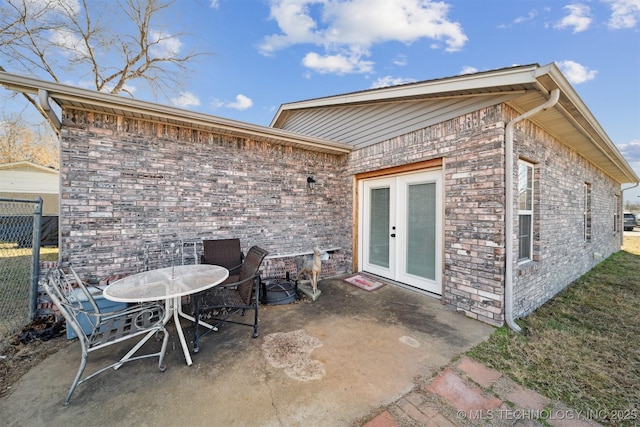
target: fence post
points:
(35, 268)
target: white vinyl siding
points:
(367, 124)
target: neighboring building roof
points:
(371, 116)
(89, 100)
(28, 177)
(26, 165)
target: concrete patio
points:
(332, 362)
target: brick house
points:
(491, 191)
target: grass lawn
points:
(16, 263)
(582, 347)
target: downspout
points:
(508, 277)
(625, 189)
(43, 103)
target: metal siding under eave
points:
(364, 125)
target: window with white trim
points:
(525, 211)
(587, 212)
(616, 214)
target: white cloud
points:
(578, 18)
(532, 14)
(295, 23)
(576, 73)
(241, 103)
(186, 99)
(390, 81)
(214, 4)
(631, 151)
(71, 7)
(400, 60)
(339, 64)
(624, 13)
(90, 84)
(72, 46)
(127, 88)
(348, 29)
(163, 45)
(467, 69)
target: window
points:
(525, 211)
(587, 212)
(616, 214)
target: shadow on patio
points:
(329, 362)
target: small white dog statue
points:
(312, 267)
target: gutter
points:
(43, 103)
(72, 96)
(508, 277)
(633, 186)
(622, 201)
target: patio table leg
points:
(193, 319)
(167, 316)
(176, 320)
(173, 308)
(170, 311)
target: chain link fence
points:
(19, 264)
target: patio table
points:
(169, 284)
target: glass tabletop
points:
(165, 283)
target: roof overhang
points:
(570, 121)
(27, 165)
(87, 100)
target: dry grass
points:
(583, 346)
(17, 358)
(632, 242)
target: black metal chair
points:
(233, 296)
(108, 328)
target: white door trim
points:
(398, 185)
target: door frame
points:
(425, 166)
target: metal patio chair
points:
(101, 330)
(233, 296)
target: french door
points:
(401, 229)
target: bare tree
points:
(20, 140)
(110, 46)
(113, 45)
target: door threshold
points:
(404, 286)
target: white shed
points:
(27, 180)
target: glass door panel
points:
(421, 230)
(379, 227)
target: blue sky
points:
(267, 52)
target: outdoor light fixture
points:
(311, 183)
